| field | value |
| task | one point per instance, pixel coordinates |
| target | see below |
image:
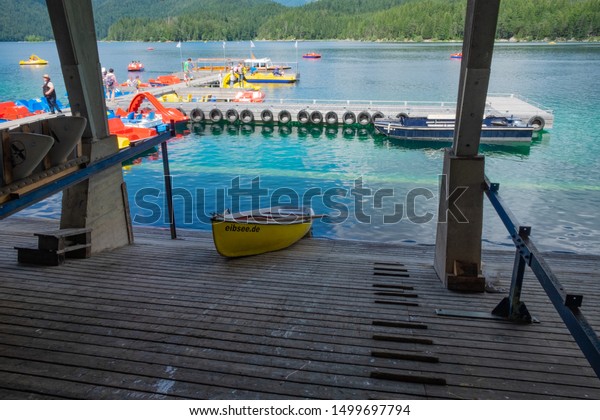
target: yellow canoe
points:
(259, 231)
(34, 60)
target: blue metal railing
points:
(567, 305)
(94, 168)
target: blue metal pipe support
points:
(169, 184)
(566, 305)
(74, 178)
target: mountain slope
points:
(393, 20)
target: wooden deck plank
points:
(173, 319)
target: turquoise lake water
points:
(359, 178)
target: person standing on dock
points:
(187, 70)
(137, 84)
(239, 73)
(110, 82)
(50, 94)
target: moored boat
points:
(165, 80)
(129, 135)
(277, 76)
(249, 96)
(13, 111)
(456, 55)
(143, 119)
(311, 55)
(263, 64)
(33, 60)
(259, 231)
(234, 80)
(212, 64)
(494, 130)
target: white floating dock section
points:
(218, 106)
(214, 105)
(513, 105)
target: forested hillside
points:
(433, 20)
(371, 20)
(240, 20)
(23, 19)
(20, 19)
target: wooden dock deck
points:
(324, 319)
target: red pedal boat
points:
(135, 66)
(312, 55)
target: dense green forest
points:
(371, 20)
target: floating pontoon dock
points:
(210, 104)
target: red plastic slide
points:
(168, 114)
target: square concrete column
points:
(460, 222)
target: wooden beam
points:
(74, 32)
(478, 46)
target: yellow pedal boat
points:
(34, 60)
(259, 231)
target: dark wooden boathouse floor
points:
(323, 319)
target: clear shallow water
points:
(551, 185)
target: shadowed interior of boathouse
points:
(161, 318)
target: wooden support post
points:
(458, 241)
(97, 202)
(460, 222)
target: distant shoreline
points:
(379, 41)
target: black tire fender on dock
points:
(231, 115)
(377, 114)
(247, 116)
(303, 117)
(402, 115)
(266, 116)
(537, 122)
(197, 115)
(349, 118)
(284, 117)
(215, 115)
(180, 109)
(364, 118)
(331, 118)
(316, 117)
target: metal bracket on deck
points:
(573, 301)
(513, 313)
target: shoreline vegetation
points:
(594, 40)
(357, 20)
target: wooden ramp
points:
(324, 319)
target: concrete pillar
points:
(99, 203)
(460, 222)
